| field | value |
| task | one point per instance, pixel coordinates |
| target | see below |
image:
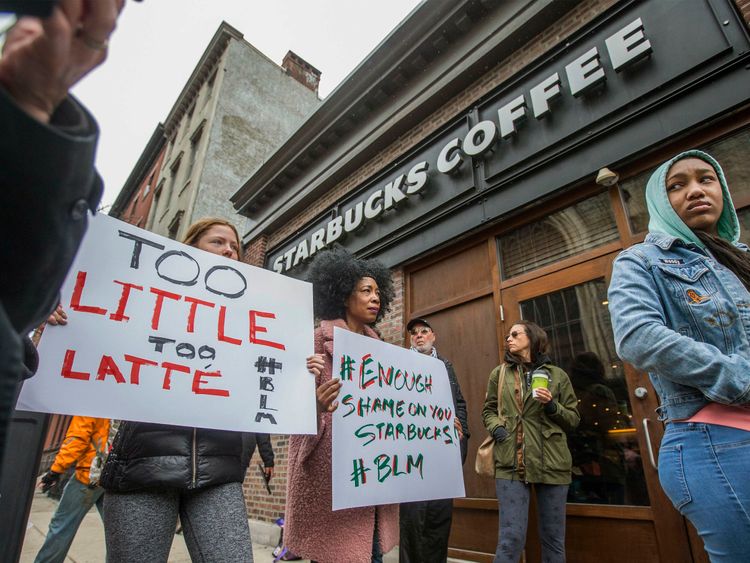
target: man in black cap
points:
(425, 525)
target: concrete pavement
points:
(88, 546)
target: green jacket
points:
(534, 437)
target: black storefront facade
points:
(499, 201)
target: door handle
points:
(650, 449)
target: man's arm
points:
(458, 399)
(77, 442)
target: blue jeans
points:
(703, 469)
(77, 499)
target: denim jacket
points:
(685, 319)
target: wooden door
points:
(455, 294)
(616, 511)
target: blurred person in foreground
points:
(47, 179)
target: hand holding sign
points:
(58, 316)
(316, 364)
(326, 395)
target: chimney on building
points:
(302, 71)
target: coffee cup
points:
(539, 380)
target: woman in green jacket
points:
(529, 428)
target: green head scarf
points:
(663, 219)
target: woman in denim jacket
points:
(680, 309)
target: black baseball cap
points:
(417, 321)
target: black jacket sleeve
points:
(265, 449)
(460, 406)
(47, 186)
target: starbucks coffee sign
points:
(497, 130)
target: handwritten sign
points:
(394, 438)
(163, 332)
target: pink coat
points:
(312, 530)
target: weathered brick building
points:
(236, 107)
(494, 154)
(133, 203)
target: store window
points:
(573, 230)
(730, 152)
(607, 462)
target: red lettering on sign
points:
(222, 321)
(67, 367)
(160, 295)
(194, 302)
(107, 366)
(75, 300)
(198, 381)
(169, 367)
(135, 368)
(254, 329)
(120, 315)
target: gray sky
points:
(158, 42)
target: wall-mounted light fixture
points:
(607, 178)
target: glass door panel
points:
(607, 462)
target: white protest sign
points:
(394, 438)
(163, 332)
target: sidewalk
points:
(88, 545)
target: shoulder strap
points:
(500, 385)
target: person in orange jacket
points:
(85, 446)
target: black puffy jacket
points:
(147, 456)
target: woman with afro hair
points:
(352, 294)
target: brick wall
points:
(391, 327)
(138, 207)
(255, 252)
(261, 505)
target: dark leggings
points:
(513, 501)
(140, 526)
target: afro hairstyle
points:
(334, 274)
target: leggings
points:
(139, 526)
(513, 499)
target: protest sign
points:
(394, 438)
(163, 332)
